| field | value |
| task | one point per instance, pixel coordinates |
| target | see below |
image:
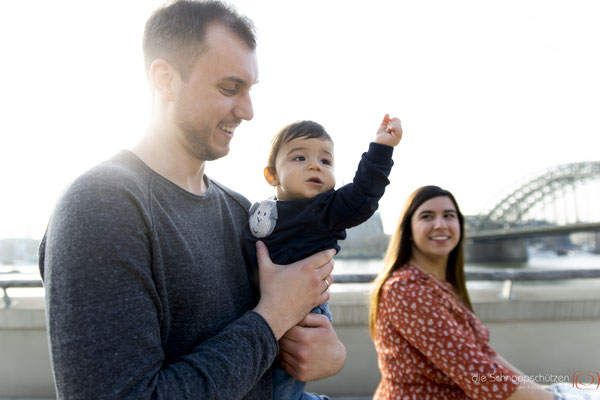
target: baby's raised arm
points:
(389, 132)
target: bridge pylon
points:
(596, 248)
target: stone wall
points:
(546, 330)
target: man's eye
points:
(229, 92)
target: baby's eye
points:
(326, 161)
(298, 158)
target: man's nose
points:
(244, 109)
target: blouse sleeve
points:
(440, 330)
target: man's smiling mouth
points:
(228, 129)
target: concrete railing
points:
(16, 283)
(548, 328)
(506, 276)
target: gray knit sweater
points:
(147, 294)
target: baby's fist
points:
(389, 132)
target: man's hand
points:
(288, 293)
(389, 132)
(311, 350)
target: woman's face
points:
(435, 227)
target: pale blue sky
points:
(488, 92)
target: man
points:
(146, 289)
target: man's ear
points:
(271, 176)
(165, 80)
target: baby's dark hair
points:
(297, 130)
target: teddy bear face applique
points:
(263, 218)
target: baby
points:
(308, 215)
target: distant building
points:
(366, 240)
(19, 251)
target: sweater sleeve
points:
(354, 203)
(440, 334)
(106, 320)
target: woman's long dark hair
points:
(399, 251)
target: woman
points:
(429, 342)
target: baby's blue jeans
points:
(285, 387)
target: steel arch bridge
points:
(513, 209)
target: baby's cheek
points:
(332, 184)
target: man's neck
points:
(170, 160)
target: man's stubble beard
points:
(196, 146)
(195, 139)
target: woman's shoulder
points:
(410, 282)
(407, 275)
(407, 281)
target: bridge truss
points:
(556, 189)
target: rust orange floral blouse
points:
(430, 346)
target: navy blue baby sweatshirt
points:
(306, 226)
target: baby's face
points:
(304, 168)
